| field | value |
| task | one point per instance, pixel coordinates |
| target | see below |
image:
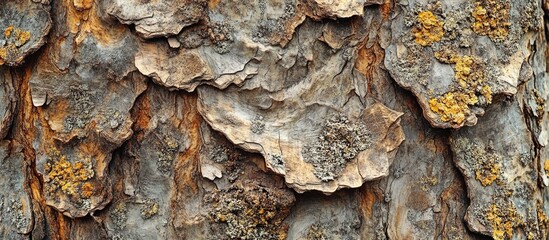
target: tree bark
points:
(274, 119)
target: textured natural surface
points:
(274, 119)
(23, 29)
(455, 55)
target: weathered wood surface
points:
(274, 119)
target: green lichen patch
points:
(339, 142)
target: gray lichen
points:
(17, 216)
(82, 100)
(333, 229)
(270, 27)
(258, 125)
(114, 118)
(276, 159)
(249, 214)
(166, 154)
(316, 232)
(486, 164)
(339, 142)
(531, 17)
(220, 35)
(380, 232)
(233, 169)
(229, 157)
(219, 154)
(119, 215)
(192, 37)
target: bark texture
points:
(274, 119)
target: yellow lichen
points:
(463, 70)
(468, 72)
(430, 29)
(486, 91)
(67, 176)
(15, 38)
(488, 174)
(149, 209)
(446, 55)
(469, 76)
(3, 55)
(450, 107)
(542, 218)
(502, 221)
(21, 37)
(491, 18)
(427, 182)
(540, 102)
(7, 32)
(86, 190)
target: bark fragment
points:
(454, 95)
(23, 29)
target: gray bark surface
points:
(274, 119)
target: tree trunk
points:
(274, 119)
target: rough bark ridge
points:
(274, 119)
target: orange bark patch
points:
(94, 150)
(213, 3)
(83, 22)
(368, 61)
(186, 165)
(64, 226)
(141, 116)
(83, 4)
(386, 8)
(394, 230)
(369, 196)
